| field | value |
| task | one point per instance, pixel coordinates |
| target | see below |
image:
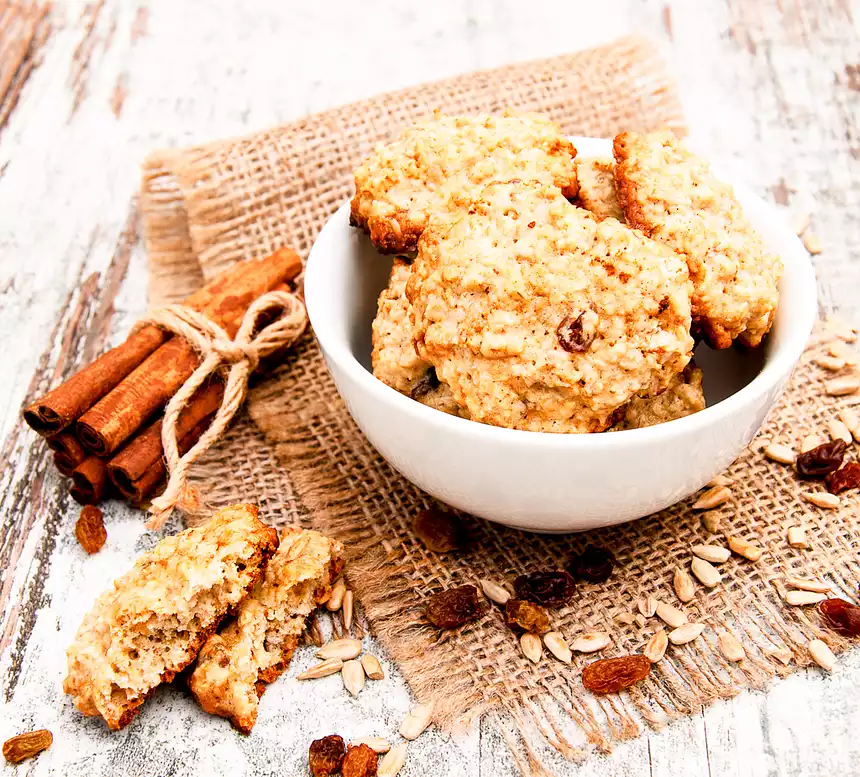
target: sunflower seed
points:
(839, 431)
(781, 453)
(347, 609)
(713, 497)
(686, 633)
(849, 417)
(743, 548)
(719, 480)
(711, 522)
(805, 584)
(416, 721)
(377, 744)
(840, 387)
(822, 499)
(640, 620)
(372, 667)
(810, 441)
(494, 592)
(841, 350)
(797, 537)
(802, 598)
(625, 618)
(393, 761)
(683, 585)
(799, 223)
(731, 648)
(670, 615)
(531, 646)
(811, 242)
(335, 601)
(656, 647)
(344, 649)
(716, 554)
(830, 363)
(647, 606)
(591, 642)
(706, 573)
(327, 667)
(821, 654)
(352, 673)
(841, 328)
(783, 655)
(557, 645)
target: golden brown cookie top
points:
(539, 317)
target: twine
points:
(241, 354)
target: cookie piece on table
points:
(402, 183)
(684, 397)
(235, 664)
(597, 193)
(151, 624)
(673, 196)
(540, 317)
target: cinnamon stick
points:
(68, 452)
(144, 452)
(90, 481)
(63, 405)
(116, 417)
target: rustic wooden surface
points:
(772, 90)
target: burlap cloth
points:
(304, 460)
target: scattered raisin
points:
(845, 478)
(547, 588)
(440, 530)
(360, 761)
(527, 616)
(841, 616)
(455, 607)
(90, 529)
(428, 382)
(326, 755)
(594, 565)
(24, 746)
(821, 461)
(572, 335)
(611, 675)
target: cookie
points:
(596, 178)
(540, 317)
(402, 183)
(684, 397)
(673, 196)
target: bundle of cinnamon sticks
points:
(103, 423)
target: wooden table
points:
(772, 90)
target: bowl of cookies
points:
(556, 333)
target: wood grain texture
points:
(771, 89)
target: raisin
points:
(440, 530)
(547, 588)
(24, 746)
(428, 382)
(845, 478)
(594, 565)
(527, 616)
(821, 461)
(360, 761)
(455, 607)
(841, 616)
(611, 675)
(326, 755)
(572, 335)
(90, 529)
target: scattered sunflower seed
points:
(711, 522)
(823, 499)
(805, 584)
(647, 606)
(392, 762)
(840, 387)
(625, 618)
(781, 453)
(712, 498)
(849, 417)
(811, 242)
(803, 598)
(327, 667)
(352, 673)
(821, 654)
(377, 744)
(671, 615)
(640, 619)
(557, 645)
(719, 480)
(591, 642)
(347, 609)
(716, 554)
(841, 328)
(783, 655)
(335, 601)
(706, 573)
(494, 592)
(372, 668)
(416, 721)
(686, 633)
(841, 350)
(743, 548)
(531, 646)
(810, 441)
(797, 537)
(656, 647)
(731, 648)
(839, 431)
(344, 649)
(829, 363)
(683, 584)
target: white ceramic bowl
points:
(553, 482)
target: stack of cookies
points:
(534, 290)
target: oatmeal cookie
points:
(151, 624)
(235, 664)
(597, 193)
(673, 197)
(540, 317)
(683, 397)
(401, 183)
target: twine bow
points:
(240, 356)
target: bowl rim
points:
(778, 364)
